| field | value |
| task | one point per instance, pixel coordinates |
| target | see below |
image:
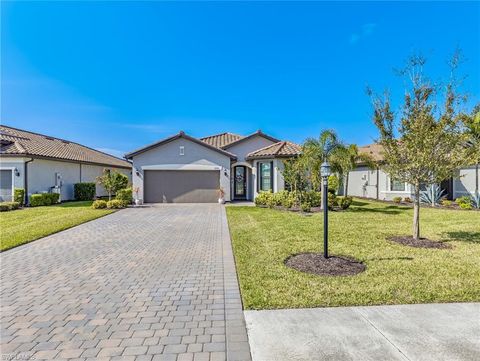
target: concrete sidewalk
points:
(404, 332)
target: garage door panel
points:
(170, 186)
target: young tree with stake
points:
(426, 145)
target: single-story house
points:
(182, 168)
(41, 163)
(376, 184)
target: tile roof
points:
(375, 150)
(282, 149)
(221, 140)
(19, 142)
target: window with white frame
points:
(397, 186)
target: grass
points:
(264, 238)
(28, 224)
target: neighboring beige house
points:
(376, 184)
(182, 168)
(41, 163)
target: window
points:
(397, 186)
(182, 150)
(265, 176)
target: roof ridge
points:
(284, 142)
(219, 134)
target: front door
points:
(240, 182)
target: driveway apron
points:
(150, 283)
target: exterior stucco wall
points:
(169, 154)
(464, 184)
(41, 176)
(11, 163)
(243, 148)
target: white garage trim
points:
(181, 167)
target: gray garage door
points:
(5, 185)
(181, 186)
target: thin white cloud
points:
(365, 31)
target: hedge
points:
(19, 195)
(125, 195)
(44, 199)
(84, 191)
(9, 206)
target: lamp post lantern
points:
(325, 173)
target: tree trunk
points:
(109, 195)
(346, 185)
(416, 214)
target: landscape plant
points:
(9, 206)
(125, 195)
(433, 195)
(19, 196)
(84, 191)
(425, 144)
(112, 181)
(44, 199)
(115, 204)
(99, 204)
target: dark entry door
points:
(240, 182)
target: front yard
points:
(396, 274)
(25, 225)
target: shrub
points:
(446, 203)
(84, 191)
(9, 206)
(125, 195)
(262, 198)
(397, 199)
(313, 198)
(344, 202)
(99, 204)
(44, 199)
(332, 201)
(333, 183)
(407, 200)
(19, 195)
(464, 202)
(305, 207)
(433, 195)
(115, 204)
(476, 200)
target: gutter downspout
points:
(25, 179)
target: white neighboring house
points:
(41, 163)
(376, 184)
(184, 169)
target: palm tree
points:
(348, 158)
(317, 151)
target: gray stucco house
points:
(182, 168)
(376, 184)
(41, 163)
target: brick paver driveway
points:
(148, 283)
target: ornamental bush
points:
(333, 183)
(125, 195)
(397, 199)
(332, 201)
(344, 202)
(19, 195)
(464, 202)
(312, 197)
(115, 204)
(9, 206)
(99, 204)
(84, 191)
(44, 199)
(305, 207)
(263, 198)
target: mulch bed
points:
(315, 263)
(421, 243)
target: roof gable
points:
(284, 149)
(221, 140)
(181, 134)
(257, 133)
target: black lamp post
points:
(325, 173)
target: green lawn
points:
(264, 238)
(28, 224)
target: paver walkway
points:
(148, 283)
(430, 332)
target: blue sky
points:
(116, 76)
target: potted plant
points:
(137, 200)
(221, 195)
